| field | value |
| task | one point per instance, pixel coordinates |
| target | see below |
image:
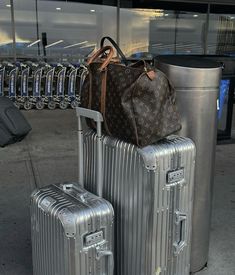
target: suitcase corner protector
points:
(149, 157)
(68, 220)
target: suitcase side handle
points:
(109, 254)
(69, 188)
(181, 232)
(98, 118)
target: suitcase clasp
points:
(94, 238)
(175, 176)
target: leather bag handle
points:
(99, 53)
(115, 45)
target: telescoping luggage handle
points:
(98, 118)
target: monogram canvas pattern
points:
(138, 109)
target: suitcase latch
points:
(175, 176)
(94, 238)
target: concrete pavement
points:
(49, 154)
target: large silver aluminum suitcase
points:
(72, 229)
(151, 190)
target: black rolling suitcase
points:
(13, 125)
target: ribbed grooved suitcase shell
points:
(135, 182)
(60, 221)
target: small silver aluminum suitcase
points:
(72, 229)
(151, 190)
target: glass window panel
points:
(190, 33)
(160, 31)
(25, 28)
(162, 34)
(73, 30)
(146, 30)
(221, 34)
(6, 42)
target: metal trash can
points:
(197, 81)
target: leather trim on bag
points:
(133, 109)
(103, 99)
(90, 90)
(100, 52)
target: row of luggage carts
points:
(40, 84)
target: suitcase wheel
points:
(63, 105)
(40, 105)
(51, 105)
(28, 105)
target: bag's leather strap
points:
(90, 90)
(103, 70)
(103, 100)
(115, 45)
(99, 53)
(103, 92)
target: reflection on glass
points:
(221, 39)
(137, 29)
(5, 29)
(190, 33)
(73, 30)
(162, 31)
(25, 28)
(67, 31)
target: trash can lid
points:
(187, 71)
(196, 62)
